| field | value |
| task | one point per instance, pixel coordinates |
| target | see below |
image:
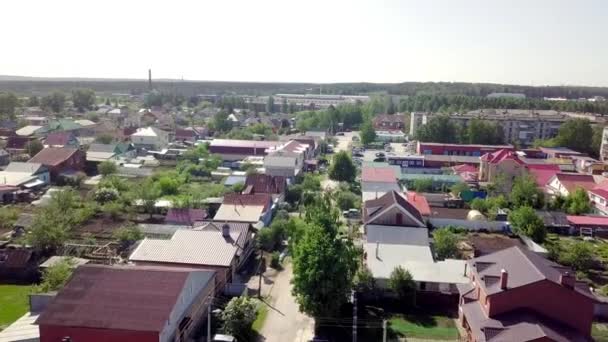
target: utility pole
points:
(260, 273)
(383, 330)
(209, 320)
(354, 300)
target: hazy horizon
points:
(519, 43)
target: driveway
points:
(344, 141)
(285, 322)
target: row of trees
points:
(443, 130)
(462, 103)
(82, 99)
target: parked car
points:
(223, 338)
(340, 134)
(355, 138)
(351, 213)
(358, 154)
(380, 155)
(380, 160)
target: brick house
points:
(60, 160)
(128, 304)
(389, 122)
(517, 295)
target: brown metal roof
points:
(53, 155)
(125, 298)
(266, 184)
(374, 207)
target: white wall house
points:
(286, 160)
(150, 138)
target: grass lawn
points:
(13, 303)
(423, 326)
(259, 321)
(599, 332)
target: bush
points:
(128, 235)
(113, 209)
(423, 185)
(347, 200)
(275, 260)
(270, 238)
(106, 168)
(105, 195)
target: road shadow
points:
(271, 307)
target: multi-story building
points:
(604, 145)
(521, 126)
(304, 101)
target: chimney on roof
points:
(567, 280)
(504, 279)
(150, 79)
(226, 230)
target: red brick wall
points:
(50, 333)
(552, 300)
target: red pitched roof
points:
(419, 202)
(601, 192)
(501, 155)
(464, 168)
(542, 173)
(120, 298)
(265, 184)
(593, 221)
(247, 200)
(378, 174)
(571, 181)
(53, 155)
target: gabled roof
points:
(118, 298)
(53, 155)
(542, 173)
(601, 192)
(190, 247)
(58, 138)
(571, 181)
(419, 202)
(147, 132)
(185, 216)
(378, 174)
(500, 156)
(108, 148)
(376, 207)
(242, 229)
(524, 267)
(61, 125)
(589, 221)
(265, 184)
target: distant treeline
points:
(189, 88)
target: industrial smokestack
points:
(150, 79)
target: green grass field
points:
(13, 303)
(422, 326)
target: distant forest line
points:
(42, 86)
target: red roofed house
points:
(185, 134)
(504, 162)
(597, 224)
(517, 295)
(128, 304)
(185, 216)
(419, 202)
(542, 173)
(60, 160)
(265, 184)
(563, 184)
(61, 139)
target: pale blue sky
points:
(517, 41)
